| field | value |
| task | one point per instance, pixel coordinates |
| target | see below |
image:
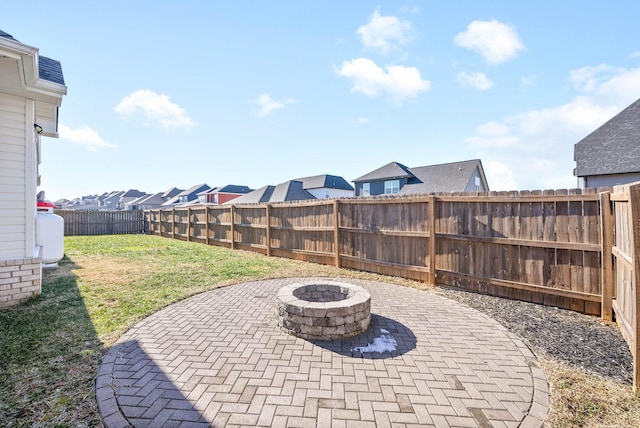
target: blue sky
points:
(168, 93)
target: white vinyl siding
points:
(326, 192)
(14, 171)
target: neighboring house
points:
(395, 178)
(146, 202)
(171, 193)
(128, 196)
(31, 91)
(327, 186)
(186, 196)
(288, 191)
(610, 155)
(112, 200)
(85, 203)
(223, 194)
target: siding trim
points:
(30, 139)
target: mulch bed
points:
(581, 341)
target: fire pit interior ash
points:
(323, 310)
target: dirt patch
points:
(115, 272)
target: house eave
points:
(27, 58)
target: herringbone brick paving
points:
(219, 359)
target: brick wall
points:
(19, 280)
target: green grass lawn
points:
(51, 346)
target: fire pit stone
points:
(323, 309)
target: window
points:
(477, 184)
(391, 187)
(366, 189)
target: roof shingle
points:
(613, 148)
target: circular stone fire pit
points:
(323, 309)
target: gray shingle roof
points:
(174, 191)
(613, 148)
(133, 193)
(229, 188)
(392, 170)
(325, 181)
(290, 191)
(194, 190)
(155, 199)
(258, 196)
(446, 177)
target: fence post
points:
(634, 208)
(173, 223)
(268, 215)
(188, 224)
(207, 215)
(233, 227)
(606, 242)
(432, 239)
(336, 231)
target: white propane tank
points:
(50, 236)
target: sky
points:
(168, 94)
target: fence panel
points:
(536, 247)
(387, 236)
(626, 268)
(303, 232)
(219, 225)
(92, 222)
(250, 228)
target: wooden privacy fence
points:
(623, 264)
(565, 248)
(535, 246)
(91, 222)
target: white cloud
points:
(589, 78)
(534, 149)
(635, 54)
(396, 81)
(268, 105)
(362, 120)
(84, 136)
(622, 88)
(156, 108)
(495, 41)
(476, 80)
(499, 176)
(385, 33)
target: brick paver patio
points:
(219, 359)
